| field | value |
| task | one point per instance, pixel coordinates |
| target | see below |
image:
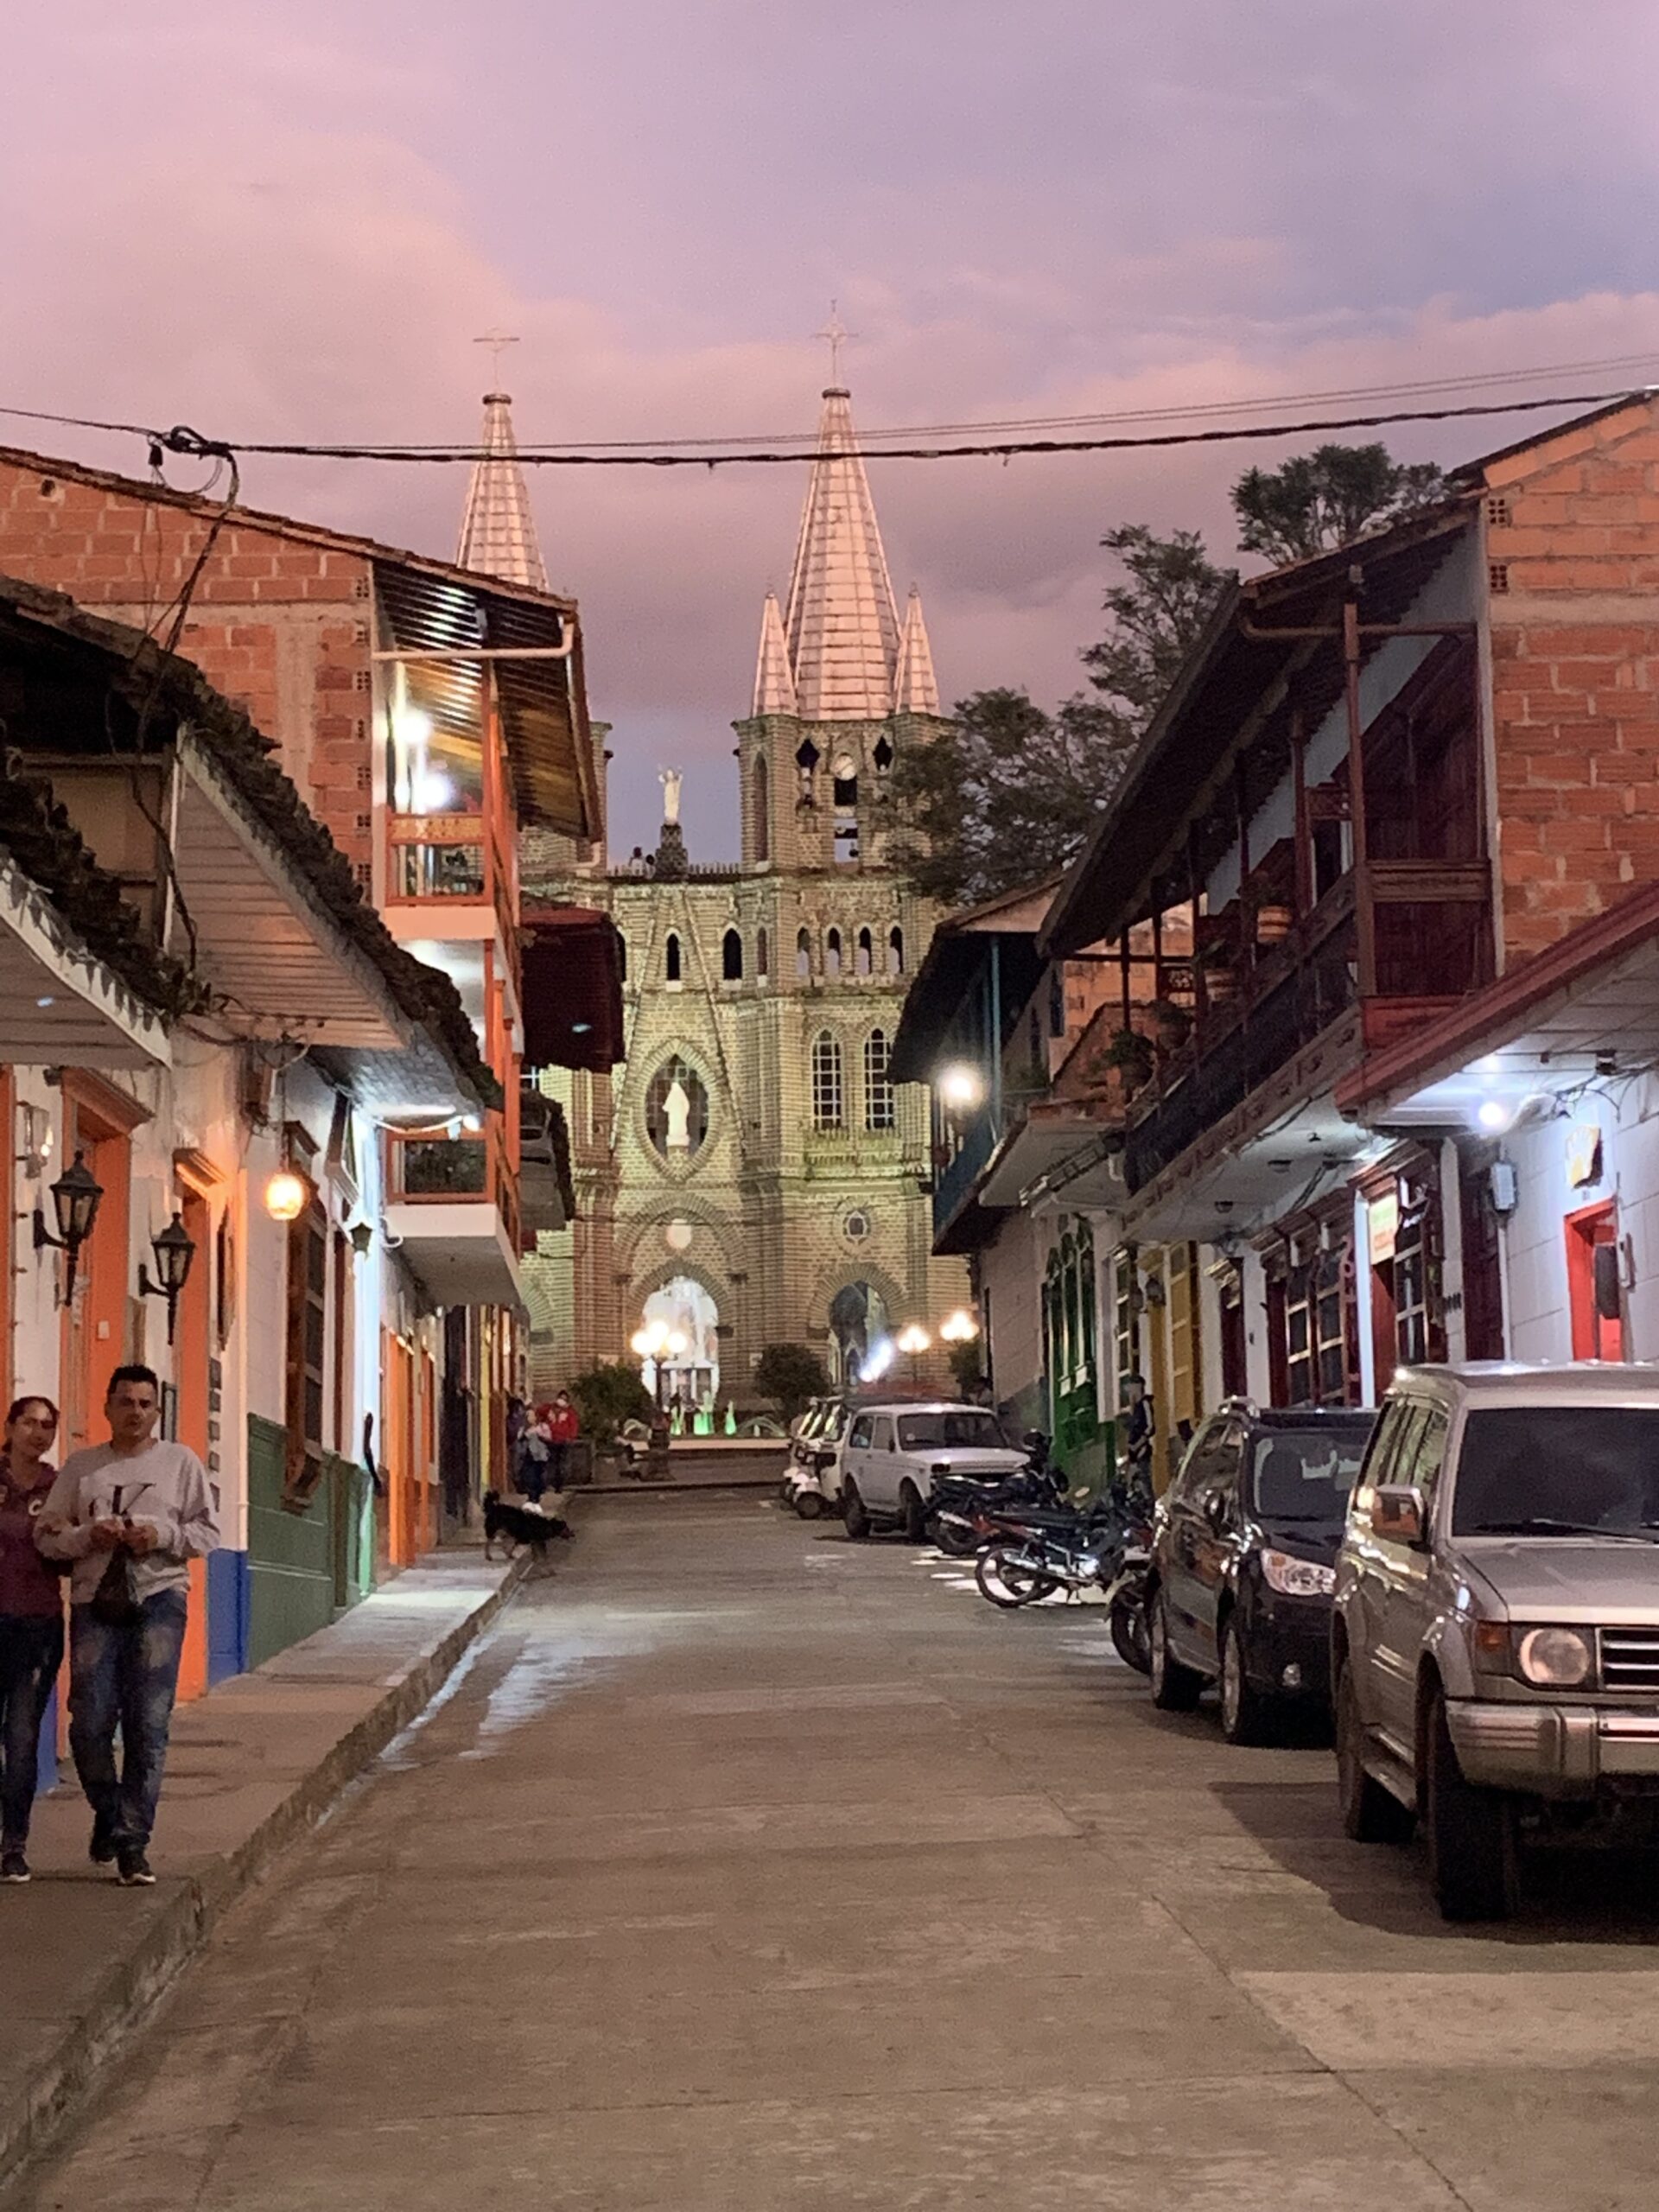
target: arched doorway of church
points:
(859, 1346)
(690, 1362)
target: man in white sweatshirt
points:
(130, 1515)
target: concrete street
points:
(745, 1867)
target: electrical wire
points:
(734, 453)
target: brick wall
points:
(276, 623)
(1573, 548)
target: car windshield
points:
(1306, 1475)
(938, 1432)
(1556, 1471)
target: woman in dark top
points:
(31, 1622)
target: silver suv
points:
(1495, 1645)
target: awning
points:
(1587, 1007)
(59, 1004)
(572, 988)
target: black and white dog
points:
(520, 1524)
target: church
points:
(749, 1174)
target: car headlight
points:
(1297, 1577)
(1554, 1658)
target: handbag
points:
(113, 1602)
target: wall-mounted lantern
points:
(174, 1249)
(75, 1196)
(287, 1195)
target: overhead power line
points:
(182, 440)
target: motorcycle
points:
(1037, 1555)
(959, 1504)
(1126, 1603)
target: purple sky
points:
(289, 221)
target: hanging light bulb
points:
(287, 1194)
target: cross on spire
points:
(498, 342)
(834, 334)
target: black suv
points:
(1243, 1559)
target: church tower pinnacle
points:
(841, 634)
(497, 532)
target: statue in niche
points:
(677, 1113)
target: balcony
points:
(954, 1181)
(452, 1214)
(1429, 930)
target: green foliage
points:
(791, 1376)
(1157, 611)
(967, 1368)
(1321, 500)
(608, 1395)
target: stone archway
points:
(689, 1367)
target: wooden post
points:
(1365, 912)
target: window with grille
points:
(877, 1087)
(829, 1111)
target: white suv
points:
(891, 1454)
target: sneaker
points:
(102, 1848)
(133, 1869)
(14, 1867)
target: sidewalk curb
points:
(137, 1980)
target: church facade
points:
(749, 1175)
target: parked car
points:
(1495, 1649)
(892, 1452)
(1243, 1563)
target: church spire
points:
(842, 626)
(497, 533)
(915, 689)
(774, 680)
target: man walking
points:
(130, 1515)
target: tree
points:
(1010, 792)
(1321, 500)
(791, 1376)
(967, 1368)
(1156, 612)
(608, 1395)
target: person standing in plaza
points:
(31, 1622)
(129, 1516)
(562, 1428)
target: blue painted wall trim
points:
(228, 1614)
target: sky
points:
(285, 219)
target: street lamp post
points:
(914, 1340)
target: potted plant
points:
(1131, 1053)
(1220, 977)
(1174, 1023)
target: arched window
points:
(804, 957)
(895, 951)
(671, 959)
(864, 958)
(878, 1088)
(882, 756)
(829, 1111)
(832, 954)
(762, 802)
(731, 957)
(761, 955)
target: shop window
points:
(1419, 1317)
(1300, 1384)
(1332, 1280)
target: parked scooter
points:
(1126, 1601)
(1032, 1554)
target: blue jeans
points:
(124, 1677)
(30, 1653)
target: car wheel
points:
(856, 1519)
(1470, 1832)
(1247, 1716)
(912, 1513)
(1175, 1688)
(808, 1505)
(1370, 1814)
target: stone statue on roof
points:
(670, 779)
